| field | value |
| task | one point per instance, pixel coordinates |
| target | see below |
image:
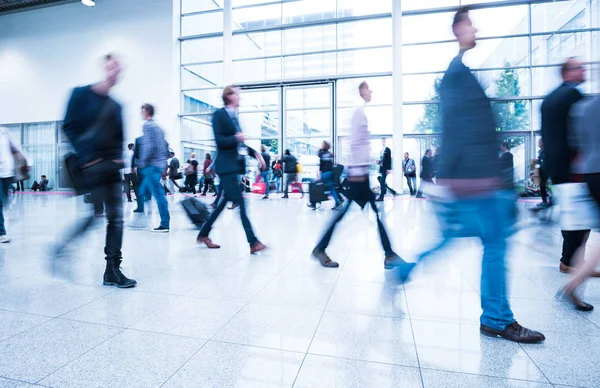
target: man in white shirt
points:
(359, 191)
(7, 173)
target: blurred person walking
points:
(290, 168)
(229, 164)
(277, 172)
(409, 169)
(559, 153)
(208, 174)
(543, 176)
(385, 168)
(152, 165)
(94, 126)
(475, 201)
(266, 172)
(129, 178)
(13, 166)
(326, 166)
(191, 173)
(359, 189)
(173, 172)
(507, 166)
(426, 172)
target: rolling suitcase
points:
(197, 211)
(317, 192)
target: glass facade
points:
(300, 62)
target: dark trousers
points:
(20, 186)
(129, 182)
(543, 187)
(420, 191)
(384, 187)
(110, 197)
(190, 182)
(290, 178)
(572, 239)
(208, 181)
(411, 179)
(231, 192)
(5, 183)
(361, 193)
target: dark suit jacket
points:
(136, 152)
(507, 167)
(556, 132)
(426, 167)
(385, 164)
(469, 134)
(228, 161)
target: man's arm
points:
(73, 116)
(224, 141)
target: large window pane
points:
(256, 45)
(259, 100)
(197, 128)
(309, 39)
(257, 17)
(365, 61)
(347, 8)
(505, 83)
(511, 115)
(499, 53)
(546, 79)
(202, 76)
(310, 122)
(422, 118)
(260, 125)
(308, 11)
(39, 133)
(559, 15)
(44, 162)
(14, 132)
(202, 101)
(202, 50)
(426, 58)
(204, 23)
(309, 66)
(380, 119)
(310, 97)
(257, 70)
(556, 48)
(364, 33)
(424, 87)
(427, 28)
(188, 6)
(306, 150)
(348, 95)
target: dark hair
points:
(108, 57)
(287, 152)
(149, 109)
(228, 91)
(505, 145)
(43, 176)
(208, 156)
(566, 66)
(461, 15)
(327, 145)
(363, 85)
(428, 150)
(130, 146)
(171, 153)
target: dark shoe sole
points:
(120, 285)
(492, 334)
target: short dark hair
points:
(171, 153)
(228, 91)
(505, 145)
(566, 66)
(43, 176)
(149, 109)
(363, 85)
(327, 145)
(461, 15)
(108, 57)
(208, 156)
(130, 146)
(287, 152)
(428, 150)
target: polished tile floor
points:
(201, 318)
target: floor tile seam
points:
(184, 364)
(412, 331)
(257, 346)
(364, 360)
(365, 314)
(318, 324)
(81, 355)
(535, 363)
(31, 328)
(16, 380)
(488, 376)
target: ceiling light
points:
(89, 3)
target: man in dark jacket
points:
(559, 155)
(94, 126)
(507, 166)
(385, 167)
(290, 168)
(230, 163)
(426, 172)
(470, 173)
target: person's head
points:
(112, 70)
(147, 111)
(130, 146)
(531, 175)
(541, 143)
(263, 148)
(504, 147)
(193, 155)
(231, 96)
(172, 154)
(287, 152)
(208, 156)
(43, 176)
(573, 71)
(428, 152)
(463, 29)
(325, 146)
(383, 141)
(364, 91)
(406, 155)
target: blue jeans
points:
(488, 217)
(327, 177)
(5, 183)
(151, 177)
(265, 178)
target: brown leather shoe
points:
(514, 332)
(257, 247)
(324, 259)
(208, 242)
(568, 269)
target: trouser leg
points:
(324, 242)
(383, 235)
(114, 227)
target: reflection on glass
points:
(559, 15)
(260, 124)
(202, 101)
(197, 128)
(257, 70)
(188, 6)
(310, 97)
(498, 52)
(256, 45)
(308, 11)
(309, 39)
(511, 115)
(201, 76)
(314, 122)
(365, 61)
(309, 66)
(259, 100)
(364, 33)
(257, 17)
(202, 50)
(203, 23)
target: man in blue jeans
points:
(152, 164)
(473, 201)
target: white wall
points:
(44, 53)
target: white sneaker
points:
(4, 239)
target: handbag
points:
(189, 170)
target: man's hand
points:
(388, 172)
(361, 178)
(239, 136)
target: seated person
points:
(531, 188)
(44, 183)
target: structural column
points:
(397, 153)
(227, 43)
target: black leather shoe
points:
(393, 261)
(515, 333)
(324, 259)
